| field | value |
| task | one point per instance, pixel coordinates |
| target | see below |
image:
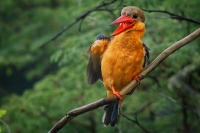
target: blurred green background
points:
(40, 83)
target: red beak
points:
(125, 22)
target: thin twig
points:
(100, 8)
(173, 16)
(6, 125)
(72, 114)
(135, 121)
(81, 18)
(142, 108)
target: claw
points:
(116, 93)
(137, 78)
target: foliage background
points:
(39, 84)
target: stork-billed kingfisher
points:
(118, 59)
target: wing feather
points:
(95, 52)
(147, 55)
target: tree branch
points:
(131, 86)
(160, 58)
(100, 8)
(173, 16)
(135, 121)
(78, 111)
(6, 125)
(142, 108)
(81, 18)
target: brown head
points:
(130, 15)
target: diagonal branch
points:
(6, 125)
(131, 86)
(81, 18)
(78, 111)
(173, 16)
(162, 57)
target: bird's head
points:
(130, 15)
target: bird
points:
(118, 59)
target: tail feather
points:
(114, 116)
(111, 114)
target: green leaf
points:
(2, 113)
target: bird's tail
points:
(110, 115)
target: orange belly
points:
(121, 62)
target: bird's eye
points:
(134, 16)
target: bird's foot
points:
(137, 78)
(116, 93)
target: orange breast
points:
(122, 60)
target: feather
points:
(147, 55)
(94, 62)
(111, 113)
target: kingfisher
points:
(118, 59)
